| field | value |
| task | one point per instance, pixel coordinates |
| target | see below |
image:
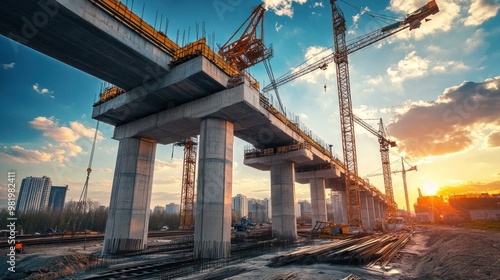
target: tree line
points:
(74, 218)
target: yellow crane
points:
(186, 215)
(385, 144)
(340, 56)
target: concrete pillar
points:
(128, 218)
(378, 214)
(382, 211)
(371, 210)
(212, 234)
(365, 215)
(343, 199)
(283, 200)
(318, 200)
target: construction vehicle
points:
(245, 223)
(340, 56)
(329, 230)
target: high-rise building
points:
(173, 208)
(267, 205)
(305, 208)
(159, 209)
(34, 194)
(298, 213)
(57, 197)
(240, 205)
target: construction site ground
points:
(434, 252)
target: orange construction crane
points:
(340, 56)
(186, 218)
(385, 144)
(249, 49)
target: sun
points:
(430, 187)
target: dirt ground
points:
(443, 252)
(434, 252)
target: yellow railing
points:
(299, 131)
(200, 47)
(109, 93)
(127, 17)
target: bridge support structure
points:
(282, 167)
(317, 180)
(128, 218)
(212, 235)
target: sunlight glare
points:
(430, 187)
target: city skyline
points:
(436, 88)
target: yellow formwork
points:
(200, 47)
(110, 93)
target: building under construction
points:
(457, 208)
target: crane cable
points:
(83, 196)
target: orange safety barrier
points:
(198, 48)
(110, 93)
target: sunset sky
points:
(437, 89)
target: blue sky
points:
(436, 88)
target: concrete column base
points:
(318, 200)
(212, 234)
(128, 218)
(365, 215)
(283, 201)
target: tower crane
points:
(412, 21)
(403, 171)
(241, 54)
(385, 144)
(249, 49)
(340, 56)
(186, 219)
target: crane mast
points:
(346, 117)
(385, 144)
(186, 219)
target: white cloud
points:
(8, 66)
(21, 155)
(318, 4)
(460, 117)
(37, 88)
(477, 40)
(68, 141)
(278, 26)
(80, 129)
(480, 11)
(312, 55)
(161, 165)
(411, 66)
(282, 7)
(414, 66)
(375, 81)
(450, 66)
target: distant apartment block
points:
(34, 194)
(173, 209)
(159, 209)
(240, 205)
(57, 197)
